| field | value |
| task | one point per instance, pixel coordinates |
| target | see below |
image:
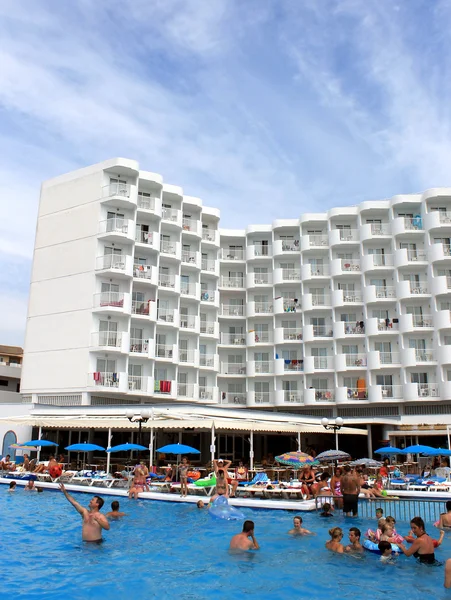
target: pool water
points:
(165, 550)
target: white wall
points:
(23, 432)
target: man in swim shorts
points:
(115, 512)
(354, 538)
(93, 521)
(350, 488)
(246, 539)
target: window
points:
(4, 382)
(419, 377)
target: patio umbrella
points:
(178, 449)
(41, 443)
(366, 462)
(418, 449)
(389, 450)
(126, 448)
(84, 447)
(18, 446)
(333, 455)
(436, 452)
(296, 459)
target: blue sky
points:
(263, 108)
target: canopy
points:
(84, 447)
(331, 455)
(41, 443)
(18, 446)
(178, 449)
(126, 448)
(296, 459)
(366, 462)
(389, 450)
(435, 452)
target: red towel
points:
(97, 376)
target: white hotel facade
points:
(138, 297)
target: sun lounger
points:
(258, 478)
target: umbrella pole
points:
(212, 445)
(336, 439)
(39, 447)
(108, 454)
(151, 449)
(251, 451)
(299, 441)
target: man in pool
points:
(350, 488)
(354, 538)
(93, 520)
(115, 513)
(298, 529)
(445, 518)
(246, 539)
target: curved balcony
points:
(141, 347)
(286, 247)
(440, 253)
(290, 367)
(119, 195)
(171, 217)
(232, 339)
(382, 294)
(210, 298)
(406, 289)
(190, 290)
(286, 275)
(149, 205)
(316, 301)
(409, 258)
(421, 391)
(260, 399)
(414, 323)
(411, 357)
(232, 255)
(444, 355)
(315, 364)
(345, 298)
(238, 399)
(314, 333)
(343, 266)
(441, 284)
(282, 306)
(166, 352)
(289, 398)
(112, 382)
(315, 242)
(344, 329)
(169, 282)
(210, 237)
(437, 220)
(260, 368)
(442, 319)
(258, 280)
(232, 283)
(110, 341)
(351, 362)
(118, 265)
(188, 357)
(210, 266)
(381, 393)
(189, 323)
(208, 394)
(146, 240)
(191, 259)
(407, 225)
(144, 310)
(209, 362)
(371, 231)
(344, 237)
(259, 308)
(374, 326)
(117, 230)
(315, 272)
(258, 251)
(286, 335)
(259, 338)
(112, 302)
(187, 391)
(170, 249)
(138, 385)
(319, 396)
(168, 316)
(383, 360)
(146, 274)
(209, 329)
(377, 262)
(233, 369)
(232, 311)
(191, 227)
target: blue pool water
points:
(165, 550)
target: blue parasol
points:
(126, 447)
(85, 447)
(178, 449)
(389, 450)
(439, 452)
(40, 443)
(418, 449)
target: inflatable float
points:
(206, 481)
(373, 547)
(220, 509)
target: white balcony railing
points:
(164, 351)
(208, 264)
(110, 339)
(165, 315)
(209, 235)
(168, 247)
(207, 296)
(422, 320)
(319, 270)
(389, 358)
(291, 275)
(190, 225)
(262, 278)
(290, 245)
(318, 240)
(350, 265)
(185, 390)
(356, 360)
(142, 271)
(144, 237)
(233, 369)
(356, 394)
(263, 337)
(320, 300)
(233, 398)
(232, 254)
(145, 202)
(207, 327)
(445, 216)
(114, 225)
(349, 235)
(424, 355)
(262, 397)
(187, 322)
(263, 307)
(232, 310)
(137, 383)
(188, 289)
(295, 364)
(417, 255)
(352, 296)
(264, 366)
(262, 250)
(391, 391)
(322, 331)
(106, 379)
(418, 287)
(385, 292)
(170, 214)
(112, 299)
(189, 257)
(292, 396)
(166, 280)
(206, 393)
(141, 307)
(324, 395)
(207, 360)
(428, 389)
(233, 339)
(413, 224)
(353, 329)
(116, 189)
(232, 282)
(186, 356)
(292, 333)
(139, 345)
(111, 261)
(380, 228)
(322, 362)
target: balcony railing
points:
(322, 331)
(190, 225)
(263, 337)
(106, 379)
(290, 333)
(186, 390)
(170, 214)
(387, 325)
(233, 369)
(445, 216)
(141, 307)
(413, 224)
(319, 270)
(166, 315)
(389, 358)
(290, 246)
(207, 327)
(349, 235)
(448, 282)
(137, 384)
(113, 299)
(324, 395)
(232, 282)
(428, 389)
(167, 281)
(114, 225)
(322, 362)
(291, 275)
(356, 360)
(187, 322)
(294, 364)
(380, 228)
(207, 296)
(264, 366)
(422, 320)
(110, 339)
(111, 261)
(232, 254)
(417, 255)
(233, 398)
(318, 240)
(350, 265)
(164, 351)
(209, 235)
(144, 237)
(168, 247)
(139, 345)
(320, 300)
(188, 289)
(391, 391)
(352, 296)
(235, 339)
(292, 396)
(186, 356)
(385, 292)
(116, 189)
(424, 355)
(189, 257)
(145, 202)
(418, 287)
(262, 397)
(208, 264)
(263, 307)
(142, 271)
(262, 278)
(232, 310)
(206, 393)
(207, 360)
(357, 394)
(382, 260)
(354, 329)
(262, 250)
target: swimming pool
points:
(163, 550)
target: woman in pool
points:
(334, 544)
(423, 547)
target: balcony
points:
(190, 289)
(260, 367)
(119, 195)
(259, 279)
(210, 236)
(144, 308)
(119, 264)
(171, 249)
(340, 237)
(167, 316)
(407, 258)
(383, 294)
(191, 259)
(189, 322)
(209, 361)
(407, 225)
(377, 262)
(237, 399)
(314, 301)
(165, 387)
(407, 289)
(374, 326)
(343, 329)
(111, 340)
(232, 310)
(309, 242)
(317, 396)
(208, 393)
(382, 360)
(139, 346)
(116, 230)
(187, 390)
(255, 338)
(437, 219)
(261, 399)
(191, 226)
(257, 251)
(146, 238)
(441, 284)
(312, 364)
(440, 252)
(343, 362)
(286, 275)
(145, 273)
(232, 283)
(285, 366)
(168, 281)
(443, 319)
(369, 231)
(316, 271)
(379, 393)
(411, 357)
(171, 216)
(149, 204)
(112, 302)
(233, 369)
(444, 355)
(188, 356)
(286, 335)
(420, 391)
(289, 398)
(105, 379)
(209, 296)
(259, 308)
(210, 265)
(282, 247)
(409, 323)
(344, 297)
(343, 266)
(138, 384)
(209, 328)
(165, 351)
(231, 254)
(317, 332)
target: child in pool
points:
(375, 536)
(387, 555)
(326, 510)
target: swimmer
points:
(445, 518)
(30, 486)
(354, 538)
(379, 513)
(326, 510)
(93, 520)
(334, 544)
(201, 504)
(423, 547)
(386, 552)
(448, 573)
(12, 486)
(115, 513)
(298, 529)
(246, 539)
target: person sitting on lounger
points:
(46, 469)
(6, 463)
(139, 485)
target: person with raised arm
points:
(92, 519)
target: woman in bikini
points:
(335, 486)
(334, 544)
(307, 479)
(423, 547)
(183, 474)
(139, 484)
(222, 487)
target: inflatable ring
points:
(55, 471)
(194, 475)
(220, 509)
(207, 481)
(373, 547)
